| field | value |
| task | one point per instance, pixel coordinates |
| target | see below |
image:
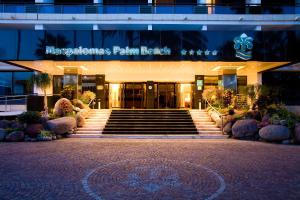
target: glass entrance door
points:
(134, 95)
(166, 93)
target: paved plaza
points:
(149, 169)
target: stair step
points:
(88, 132)
(149, 132)
(209, 132)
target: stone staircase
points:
(94, 124)
(143, 123)
(203, 123)
(150, 122)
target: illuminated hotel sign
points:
(115, 50)
(243, 46)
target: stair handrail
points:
(218, 113)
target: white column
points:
(259, 78)
(44, 1)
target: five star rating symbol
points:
(183, 52)
(198, 52)
(191, 52)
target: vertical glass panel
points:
(9, 44)
(185, 96)
(5, 83)
(33, 48)
(89, 83)
(57, 84)
(115, 90)
(84, 40)
(230, 82)
(21, 86)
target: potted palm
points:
(42, 81)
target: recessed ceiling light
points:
(60, 67)
(83, 68)
(216, 68)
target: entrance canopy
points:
(163, 71)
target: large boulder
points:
(2, 134)
(228, 128)
(33, 130)
(5, 123)
(297, 132)
(80, 120)
(84, 113)
(15, 136)
(244, 128)
(63, 107)
(78, 103)
(16, 125)
(62, 125)
(274, 133)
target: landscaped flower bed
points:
(265, 118)
(33, 126)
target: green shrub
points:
(278, 112)
(87, 96)
(68, 92)
(45, 133)
(30, 117)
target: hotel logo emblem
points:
(243, 46)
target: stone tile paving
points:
(149, 169)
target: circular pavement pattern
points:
(153, 179)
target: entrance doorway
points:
(134, 95)
(166, 93)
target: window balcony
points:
(148, 9)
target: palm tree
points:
(43, 81)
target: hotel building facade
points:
(151, 53)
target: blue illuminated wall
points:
(267, 45)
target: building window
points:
(58, 84)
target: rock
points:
(274, 133)
(297, 132)
(63, 107)
(215, 117)
(80, 120)
(29, 139)
(5, 123)
(15, 136)
(62, 125)
(58, 137)
(43, 138)
(283, 122)
(2, 134)
(33, 129)
(85, 113)
(266, 119)
(16, 125)
(244, 128)
(228, 128)
(78, 103)
(286, 142)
